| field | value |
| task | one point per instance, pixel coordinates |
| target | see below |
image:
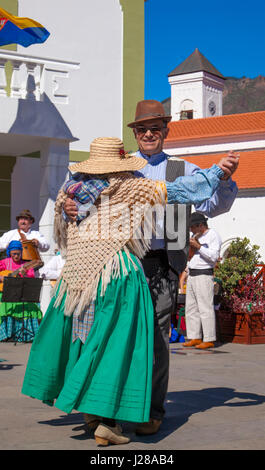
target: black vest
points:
(176, 226)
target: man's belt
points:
(198, 272)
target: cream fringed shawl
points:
(118, 221)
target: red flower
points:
(123, 154)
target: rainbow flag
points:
(23, 31)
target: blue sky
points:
(231, 34)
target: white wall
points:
(215, 145)
(88, 32)
(212, 91)
(183, 87)
(25, 188)
(246, 218)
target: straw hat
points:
(149, 110)
(107, 155)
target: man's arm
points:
(40, 241)
(195, 188)
(50, 269)
(211, 251)
(223, 198)
(5, 240)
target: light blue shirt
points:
(219, 203)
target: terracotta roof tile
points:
(232, 124)
(251, 170)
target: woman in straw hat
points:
(94, 349)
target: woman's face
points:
(16, 255)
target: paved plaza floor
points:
(215, 401)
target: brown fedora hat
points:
(26, 214)
(148, 110)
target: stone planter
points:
(240, 328)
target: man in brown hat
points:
(24, 222)
(163, 265)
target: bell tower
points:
(196, 89)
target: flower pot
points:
(240, 328)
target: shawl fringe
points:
(79, 300)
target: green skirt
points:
(110, 375)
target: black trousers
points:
(163, 285)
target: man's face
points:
(150, 136)
(24, 223)
(197, 229)
(16, 255)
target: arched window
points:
(186, 110)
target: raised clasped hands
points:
(229, 164)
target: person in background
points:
(13, 313)
(24, 222)
(199, 308)
(52, 269)
(183, 281)
(14, 261)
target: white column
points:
(54, 163)
(3, 82)
(16, 91)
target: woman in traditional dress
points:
(94, 350)
(11, 313)
(14, 261)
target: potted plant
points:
(241, 317)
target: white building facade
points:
(58, 96)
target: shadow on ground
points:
(180, 406)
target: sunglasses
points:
(152, 129)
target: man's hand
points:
(194, 243)
(229, 164)
(70, 209)
(35, 242)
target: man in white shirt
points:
(52, 269)
(199, 308)
(24, 222)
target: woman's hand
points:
(70, 209)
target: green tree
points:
(240, 260)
